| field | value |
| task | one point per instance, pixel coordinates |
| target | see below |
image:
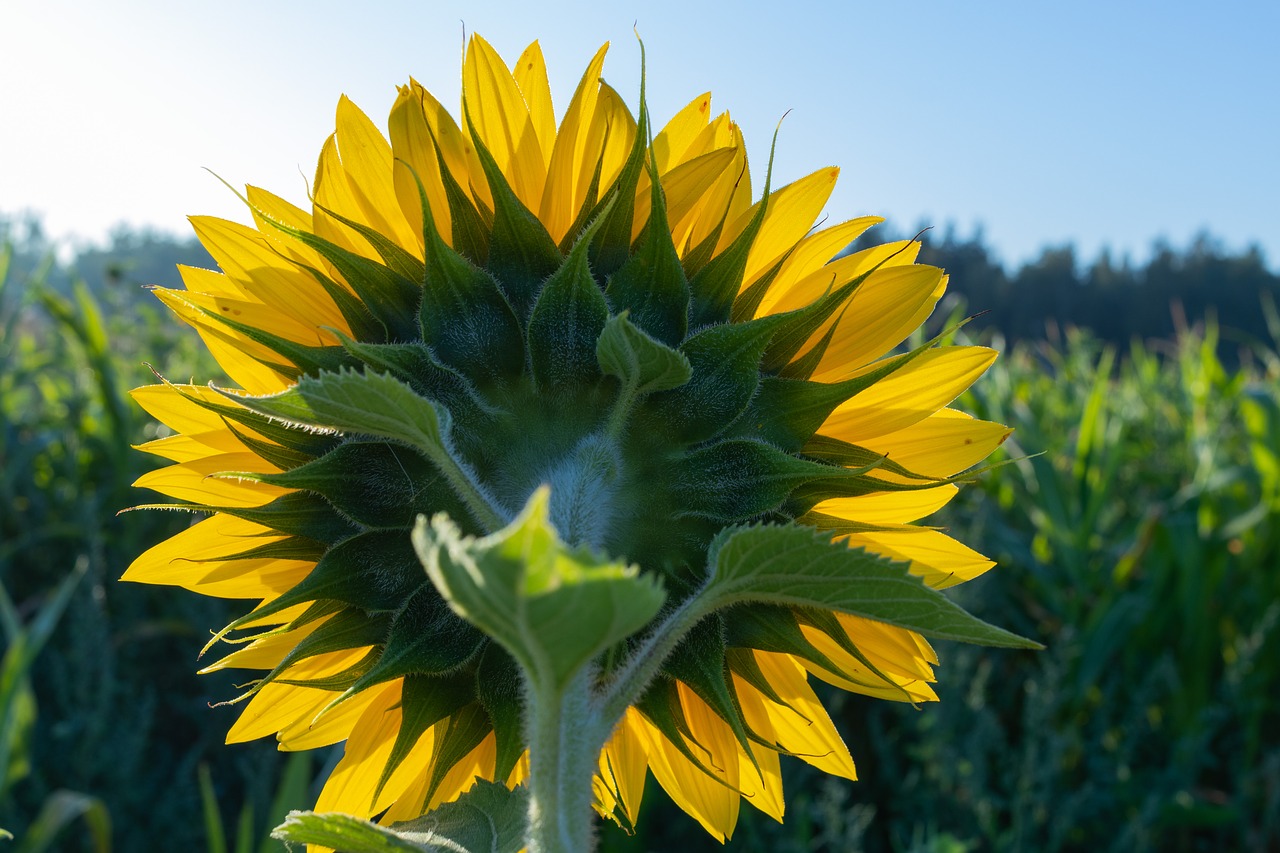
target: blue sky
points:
(1095, 123)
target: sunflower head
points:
(473, 311)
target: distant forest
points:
(1115, 301)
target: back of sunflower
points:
(559, 458)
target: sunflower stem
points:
(564, 748)
(621, 409)
(482, 508)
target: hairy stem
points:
(565, 738)
(631, 680)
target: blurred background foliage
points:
(1141, 545)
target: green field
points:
(1135, 517)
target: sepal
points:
(567, 319)
(726, 372)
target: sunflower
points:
(479, 265)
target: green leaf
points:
(284, 458)
(367, 403)
(489, 818)
(380, 405)
(17, 697)
(300, 440)
(292, 791)
(215, 837)
(348, 834)
(798, 566)
(59, 810)
(414, 364)
(639, 361)
(552, 608)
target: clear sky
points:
(1098, 123)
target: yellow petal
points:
(266, 652)
(910, 394)
(623, 766)
(685, 187)
(613, 133)
(193, 559)
(730, 196)
(241, 358)
(258, 268)
(334, 727)
(415, 162)
(675, 138)
(804, 729)
(709, 802)
(194, 481)
(889, 507)
(811, 255)
(890, 640)
(913, 692)
(520, 772)
(268, 318)
(887, 307)
(268, 209)
(906, 671)
(840, 272)
(366, 158)
(942, 444)
(350, 788)
(478, 764)
(278, 706)
(185, 448)
(565, 190)
(937, 558)
(720, 132)
(333, 192)
(169, 404)
(530, 72)
(496, 109)
(789, 215)
(764, 789)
